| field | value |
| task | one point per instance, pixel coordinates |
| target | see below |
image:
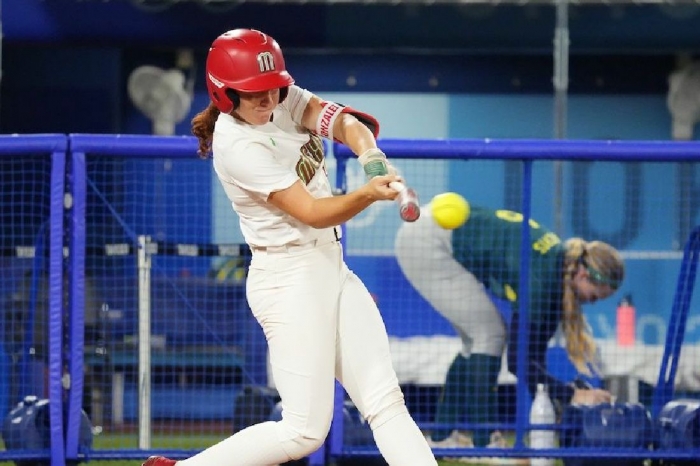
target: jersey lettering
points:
(515, 217)
(326, 119)
(310, 159)
(545, 243)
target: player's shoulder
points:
(295, 92)
(233, 152)
(295, 104)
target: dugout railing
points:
(32, 220)
(109, 194)
(183, 340)
(665, 385)
(518, 159)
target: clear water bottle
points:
(542, 412)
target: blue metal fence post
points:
(676, 325)
(56, 306)
(522, 393)
(77, 302)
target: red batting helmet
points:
(244, 60)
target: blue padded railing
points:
(124, 147)
(525, 151)
(676, 327)
(54, 146)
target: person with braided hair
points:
(460, 271)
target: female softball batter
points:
(319, 320)
(457, 270)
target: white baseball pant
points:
(321, 323)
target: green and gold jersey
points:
(488, 246)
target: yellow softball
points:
(450, 210)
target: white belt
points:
(291, 247)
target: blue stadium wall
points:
(428, 73)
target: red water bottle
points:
(626, 322)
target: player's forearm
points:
(354, 134)
(332, 211)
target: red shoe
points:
(158, 461)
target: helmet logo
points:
(216, 82)
(266, 62)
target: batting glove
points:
(374, 163)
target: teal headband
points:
(598, 277)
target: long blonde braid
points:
(580, 345)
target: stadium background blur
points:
(430, 70)
(426, 71)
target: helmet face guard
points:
(244, 60)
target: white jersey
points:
(254, 161)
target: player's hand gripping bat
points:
(374, 163)
(409, 207)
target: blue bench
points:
(205, 344)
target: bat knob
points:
(410, 209)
